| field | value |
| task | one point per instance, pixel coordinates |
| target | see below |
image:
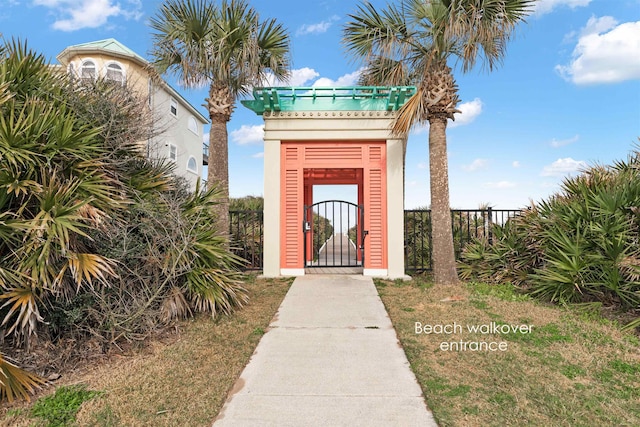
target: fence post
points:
(490, 225)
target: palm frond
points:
(16, 382)
(413, 112)
(21, 303)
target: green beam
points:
(353, 98)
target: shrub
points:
(580, 245)
(96, 239)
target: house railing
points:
(247, 231)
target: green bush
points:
(580, 245)
(97, 240)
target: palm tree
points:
(227, 47)
(412, 43)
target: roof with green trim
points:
(109, 45)
(353, 98)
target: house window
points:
(193, 125)
(192, 164)
(173, 108)
(173, 153)
(88, 70)
(115, 72)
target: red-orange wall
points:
(296, 156)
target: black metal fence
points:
(246, 229)
(467, 224)
(247, 237)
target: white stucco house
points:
(181, 140)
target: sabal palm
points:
(412, 43)
(227, 47)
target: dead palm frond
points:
(16, 382)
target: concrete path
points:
(330, 358)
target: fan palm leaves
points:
(227, 47)
(52, 177)
(412, 42)
(580, 245)
(16, 382)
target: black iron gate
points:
(333, 234)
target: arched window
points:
(193, 125)
(115, 72)
(192, 164)
(88, 70)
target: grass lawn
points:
(550, 367)
(567, 369)
(183, 382)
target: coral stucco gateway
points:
(332, 136)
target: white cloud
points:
(423, 165)
(248, 134)
(605, 53)
(499, 185)
(555, 143)
(350, 79)
(563, 167)
(542, 7)
(259, 155)
(298, 77)
(79, 14)
(304, 77)
(469, 111)
(598, 25)
(317, 28)
(516, 164)
(477, 164)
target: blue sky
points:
(567, 94)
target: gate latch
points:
(307, 226)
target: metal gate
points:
(334, 234)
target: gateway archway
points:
(316, 136)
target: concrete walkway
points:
(330, 358)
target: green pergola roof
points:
(358, 98)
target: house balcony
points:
(205, 154)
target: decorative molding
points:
(328, 114)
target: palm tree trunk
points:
(220, 105)
(444, 262)
(218, 173)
